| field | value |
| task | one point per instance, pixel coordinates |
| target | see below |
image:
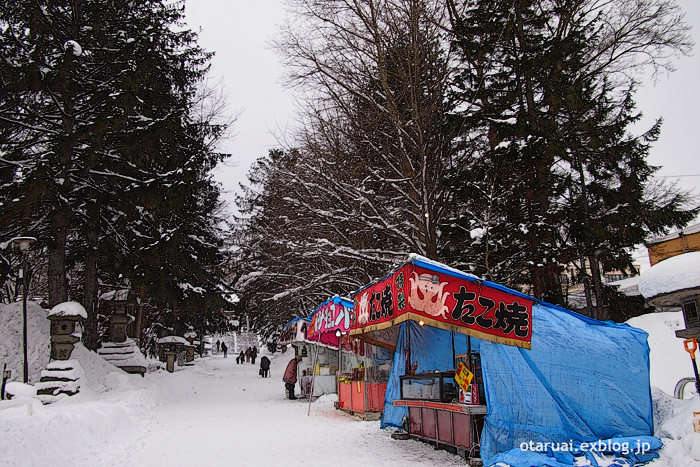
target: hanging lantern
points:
(304, 352)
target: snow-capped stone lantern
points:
(64, 335)
(169, 348)
(121, 304)
(62, 376)
(190, 336)
(675, 281)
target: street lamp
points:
(24, 243)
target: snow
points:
(216, 412)
(38, 344)
(172, 340)
(213, 413)
(74, 46)
(668, 360)
(66, 309)
(17, 389)
(671, 275)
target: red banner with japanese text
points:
(444, 301)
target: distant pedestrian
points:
(253, 355)
(218, 346)
(224, 348)
(265, 366)
(248, 354)
(241, 356)
(290, 376)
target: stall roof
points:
(424, 290)
(335, 314)
(293, 331)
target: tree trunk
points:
(58, 284)
(91, 282)
(601, 311)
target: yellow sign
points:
(463, 376)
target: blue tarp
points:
(582, 381)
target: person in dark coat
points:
(265, 366)
(242, 357)
(253, 355)
(218, 346)
(290, 376)
(224, 348)
(248, 354)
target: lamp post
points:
(24, 243)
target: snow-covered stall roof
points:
(68, 310)
(671, 280)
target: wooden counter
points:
(362, 398)
(456, 425)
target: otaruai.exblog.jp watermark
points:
(600, 446)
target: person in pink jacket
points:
(290, 375)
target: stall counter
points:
(362, 398)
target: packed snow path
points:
(214, 413)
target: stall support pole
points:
(469, 352)
(408, 346)
(454, 353)
(313, 380)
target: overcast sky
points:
(239, 32)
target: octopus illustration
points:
(427, 294)
(363, 313)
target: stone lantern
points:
(190, 336)
(62, 376)
(64, 318)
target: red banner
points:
(446, 302)
(333, 315)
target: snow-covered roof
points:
(68, 309)
(669, 281)
(172, 340)
(628, 286)
(687, 231)
(116, 295)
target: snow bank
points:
(670, 275)
(669, 362)
(674, 425)
(38, 339)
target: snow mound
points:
(669, 362)
(38, 339)
(674, 425)
(671, 275)
(100, 375)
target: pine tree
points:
(542, 94)
(98, 117)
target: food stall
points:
(364, 374)
(481, 369)
(316, 339)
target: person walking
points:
(241, 356)
(290, 376)
(224, 348)
(265, 366)
(218, 346)
(253, 355)
(248, 353)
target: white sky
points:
(239, 31)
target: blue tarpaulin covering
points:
(582, 381)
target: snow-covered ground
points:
(220, 413)
(213, 413)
